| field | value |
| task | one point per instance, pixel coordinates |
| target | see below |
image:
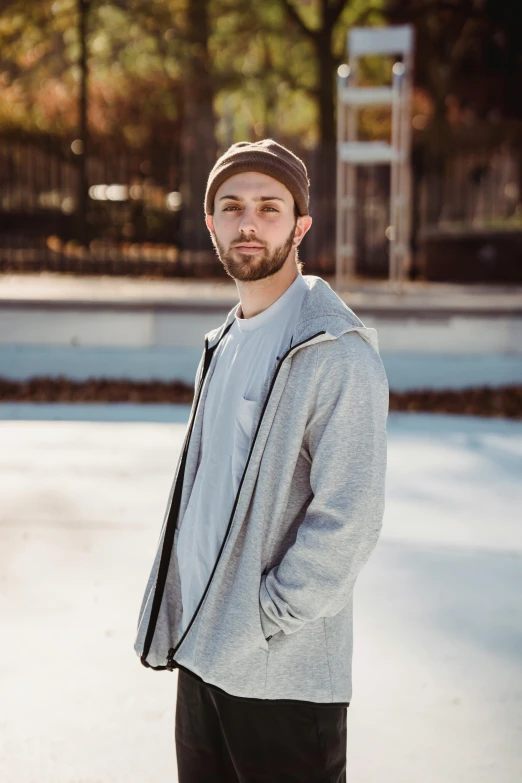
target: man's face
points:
(253, 228)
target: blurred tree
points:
(324, 24)
(135, 77)
(316, 22)
(221, 70)
(263, 74)
(199, 146)
(468, 64)
(185, 26)
(468, 55)
(276, 64)
(83, 8)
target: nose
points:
(247, 224)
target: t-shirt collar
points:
(261, 319)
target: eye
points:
(233, 206)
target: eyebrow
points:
(258, 198)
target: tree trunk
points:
(323, 185)
(198, 143)
(82, 192)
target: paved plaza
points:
(438, 628)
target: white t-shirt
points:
(251, 347)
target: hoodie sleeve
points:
(346, 440)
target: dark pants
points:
(221, 738)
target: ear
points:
(303, 224)
(209, 220)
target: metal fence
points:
(473, 189)
(132, 219)
(135, 209)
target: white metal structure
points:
(361, 42)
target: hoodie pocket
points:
(242, 438)
(299, 662)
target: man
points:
(277, 501)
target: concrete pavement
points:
(438, 630)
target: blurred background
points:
(111, 116)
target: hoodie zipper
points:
(171, 663)
(170, 529)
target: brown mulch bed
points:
(505, 401)
(61, 389)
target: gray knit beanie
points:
(266, 156)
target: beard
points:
(246, 267)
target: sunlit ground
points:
(438, 636)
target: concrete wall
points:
(420, 349)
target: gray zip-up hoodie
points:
(275, 620)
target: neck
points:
(256, 295)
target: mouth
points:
(248, 248)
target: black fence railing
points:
(134, 218)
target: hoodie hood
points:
(322, 310)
